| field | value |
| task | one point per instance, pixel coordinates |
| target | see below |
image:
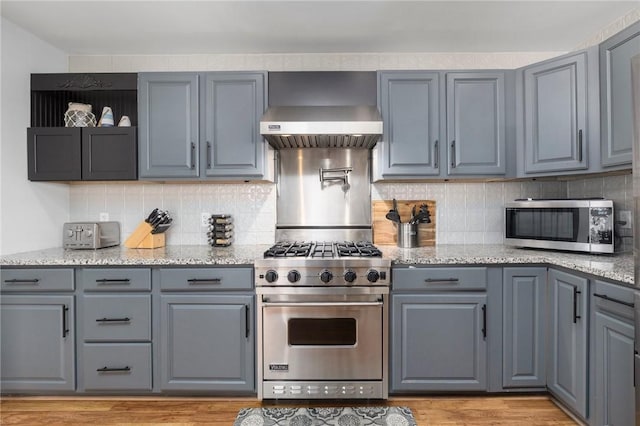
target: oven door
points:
(309, 339)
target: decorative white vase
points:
(124, 121)
(106, 120)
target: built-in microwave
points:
(578, 224)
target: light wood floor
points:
(503, 410)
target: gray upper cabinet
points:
(234, 103)
(616, 113)
(410, 106)
(476, 123)
(524, 308)
(169, 125)
(202, 125)
(567, 335)
(555, 115)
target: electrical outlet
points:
(104, 217)
(204, 219)
(625, 216)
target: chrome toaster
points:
(90, 235)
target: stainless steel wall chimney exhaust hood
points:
(322, 109)
(322, 126)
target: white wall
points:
(31, 214)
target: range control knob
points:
(293, 276)
(326, 276)
(271, 276)
(373, 275)
(350, 276)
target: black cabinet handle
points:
(484, 321)
(441, 280)
(205, 281)
(247, 326)
(576, 317)
(110, 369)
(436, 154)
(65, 330)
(193, 155)
(209, 154)
(125, 319)
(611, 299)
(580, 146)
(17, 281)
(453, 154)
(106, 281)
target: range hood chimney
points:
(322, 110)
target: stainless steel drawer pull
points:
(16, 281)
(125, 319)
(113, 281)
(611, 299)
(205, 281)
(576, 317)
(441, 280)
(111, 369)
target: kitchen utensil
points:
(413, 213)
(393, 214)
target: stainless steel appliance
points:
(576, 224)
(90, 235)
(635, 80)
(322, 321)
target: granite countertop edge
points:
(617, 267)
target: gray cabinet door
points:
(37, 345)
(207, 343)
(524, 307)
(613, 368)
(168, 125)
(616, 112)
(476, 123)
(409, 103)
(555, 115)
(438, 342)
(233, 105)
(567, 354)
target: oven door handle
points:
(319, 304)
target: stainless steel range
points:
(322, 321)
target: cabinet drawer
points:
(116, 279)
(116, 317)
(613, 298)
(209, 279)
(439, 278)
(37, 280)
(115, 366)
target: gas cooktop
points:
(322, 249)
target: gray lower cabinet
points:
(524, 314)
(612, 395)
(555, 115)
(410, 106)
(476, 123)
(207, 332)
(568, 339)
(207, 343)
(616, 112)
(439, 329)
(115, 330)
(37, 344)
(202, 125)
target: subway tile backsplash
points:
(467, 213)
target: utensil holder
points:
(142, 237)
(407, 235)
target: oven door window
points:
(548, 224)
(322, 332)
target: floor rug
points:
(325, 416)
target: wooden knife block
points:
(142, 237)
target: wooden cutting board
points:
(385, 232)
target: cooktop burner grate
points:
(323, 249)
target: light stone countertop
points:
(617, 267)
